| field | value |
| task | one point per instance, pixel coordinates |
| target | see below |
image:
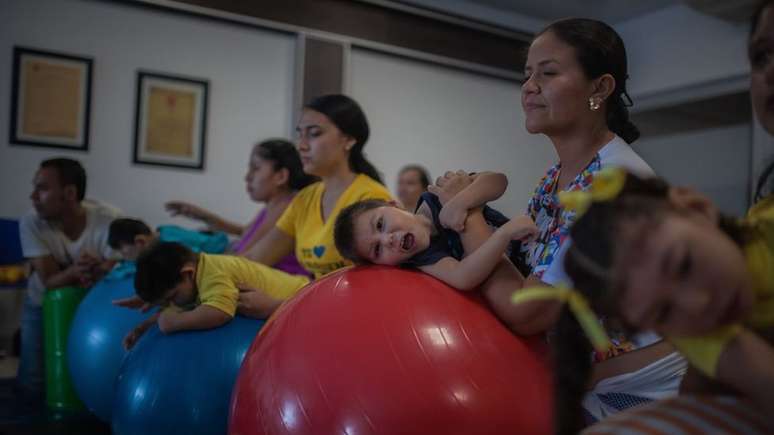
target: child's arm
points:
(133, 303)
(272, 248)
(131, 338)
(213, 221)
(485, 187)
(477, 266)
(201, 317)
(255, 303)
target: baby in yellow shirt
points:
(647, 256)
(201, 291)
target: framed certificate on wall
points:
(170, 121)
(50, 101)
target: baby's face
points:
(685, 277)
(182, 295)
(129, 252)
(390, 236)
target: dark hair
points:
(123, 231)
(344, 228)
(590, 262)
(70, 172)
(284, 155)
(756, 16)
(424, 175)
(600, 50)
(765, 184)
(346, 114)
(158, 269)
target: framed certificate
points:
(50, 101)
(171, 121)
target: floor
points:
(19, 418)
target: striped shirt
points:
(685, 415)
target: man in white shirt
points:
(65, 238)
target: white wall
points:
(447, 119)
(678, 47)
(716, 161)
(251, 78)
(677, 54)
(419, 113)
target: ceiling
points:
(611, 11)
(532, 15)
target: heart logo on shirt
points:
(318, 251)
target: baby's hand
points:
(168, 321)
(87, 260)
(450, 184)
(453, 217)
(131, 338)
(522, 228)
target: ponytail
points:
(360, 165)
(346, 114)
(572, 363)
(765, 185)
(618, 119)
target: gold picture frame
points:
(51, 99)
(171, 120)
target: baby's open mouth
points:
(407, 242)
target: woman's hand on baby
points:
(521, 228)
(134, 303)
(255, 303)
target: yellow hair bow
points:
(606, 185)
(578, 305)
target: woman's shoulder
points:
(308, 192)
(618, 153)
(764, 209)
(365, 187)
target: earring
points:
(593, 105)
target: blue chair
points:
(10, 243)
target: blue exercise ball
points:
(181, 382)
(94, 350)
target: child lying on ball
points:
(448, 238)
(131, 236)
(199, 291)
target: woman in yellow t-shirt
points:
(332, 132)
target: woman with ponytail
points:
(718, 400)
(274, 176)
(575, 94)
(332, 133)
(760, 50)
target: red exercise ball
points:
(379, 350)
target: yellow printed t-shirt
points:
(217, 277)
(704, 351)
(302, 220)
